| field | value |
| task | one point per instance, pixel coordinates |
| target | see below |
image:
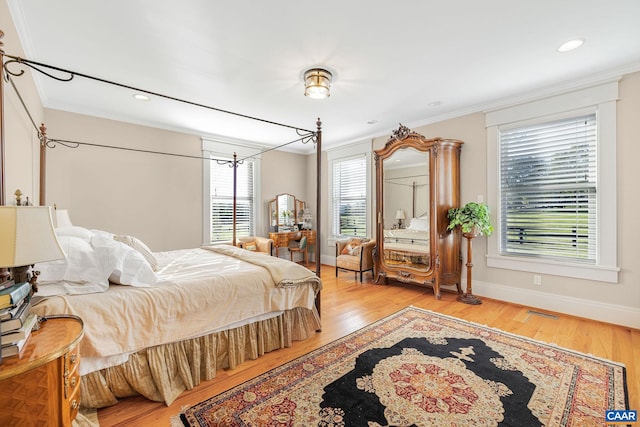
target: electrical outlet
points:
(480, 198)
(537, 279)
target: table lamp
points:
(27, 237)
(400, 216)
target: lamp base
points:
(469, 299)
(21, 274)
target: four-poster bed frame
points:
(304, 135)
(292, 318)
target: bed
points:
(157, 324)
(408, 246)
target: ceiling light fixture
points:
(570, 45)
(317, 82)
(141, 97)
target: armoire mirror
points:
(417, 181)
(285, 212)
(405, 214)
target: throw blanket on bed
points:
(284, 273)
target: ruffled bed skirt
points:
(161, 373)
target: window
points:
(551, 183)
(221, 193)
(350, 197)
(218, 191)
(548, 200)
(349, 186)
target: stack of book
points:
(16, 318)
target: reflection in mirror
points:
(285, 212)
(406, 195)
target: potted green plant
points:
(472, 218)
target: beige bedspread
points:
(283, 273)
(200, 291)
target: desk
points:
(41, 385)
(283, 239)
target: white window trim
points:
(601, 99)
(362, 148)
(224, 149)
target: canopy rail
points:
(305, 135)
(34, 65)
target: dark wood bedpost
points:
(318, 193)
(235, 177)
(43, 163)
(2, 183)
(4, 272)
(318, 197)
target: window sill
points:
(588, 272)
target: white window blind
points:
(548, 177)
(221, 190)
(350, 197)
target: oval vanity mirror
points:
(285, 212)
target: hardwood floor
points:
(348, 305)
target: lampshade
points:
(317, 82)
(62, 218)
(27, 236)
(400, 214)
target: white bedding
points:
(420, 236)
(406, 247)
(198, 291)
(406, 240)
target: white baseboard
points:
(328, 259)
(610, 313)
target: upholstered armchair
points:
(355, 255)
(255, 243)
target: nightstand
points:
(41, 385)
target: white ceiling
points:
(410, 61)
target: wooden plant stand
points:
(468, 297)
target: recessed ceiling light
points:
(570, 45)
(372, 122)
(141, 97)
(434, 103)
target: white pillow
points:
(74, 231)
(419, 224)
(139, 245)
(81, 268)
(126, 265)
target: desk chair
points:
(302, 248)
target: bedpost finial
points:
(43, 134)
(319, 123)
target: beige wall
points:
(155, 197)
(283, 172)
(616, 303)
(21, 137)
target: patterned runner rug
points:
(420, 368)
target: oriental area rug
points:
(420, 368)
